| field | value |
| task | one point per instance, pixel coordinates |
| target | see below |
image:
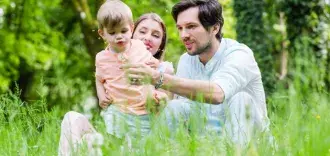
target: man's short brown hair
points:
(209, 12)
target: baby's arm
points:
(104, 99)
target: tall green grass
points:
(298, 111)
(27, 128)
(299, 123)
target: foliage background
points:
(49, 47)
(47, 51)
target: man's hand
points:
(105, 101)
(141, 72)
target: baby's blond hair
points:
(113, 13)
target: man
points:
(222, 70)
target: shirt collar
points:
(219, 54)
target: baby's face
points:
(118, 37)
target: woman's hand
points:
(105, 101)
(170, 70)
(141, 73)
(153, 63)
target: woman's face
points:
(151, 33)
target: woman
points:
(151, 29)
(75, 127)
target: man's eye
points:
(191, 27)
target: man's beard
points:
(202, 49)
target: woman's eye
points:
(142, 32)
(155, 35)
(124, 31)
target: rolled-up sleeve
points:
(98, 70)
(237, 69)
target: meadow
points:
(299, 123)
(47, 68)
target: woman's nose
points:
(147, 37)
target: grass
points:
(299, 123)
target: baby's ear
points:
(101, 33)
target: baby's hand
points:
(153, 63)
(105, 101)
(161, 97)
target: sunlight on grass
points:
(300, 125)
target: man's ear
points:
(101, 33)
(215, 28)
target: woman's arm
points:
(169, 70)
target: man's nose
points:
(184, 34)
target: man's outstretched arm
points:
(192, 89)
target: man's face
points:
(195, 37)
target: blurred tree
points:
(86, 13)
(250, 31)
(48, 47)
(228, 29)
(40, 52)
(308, 33)
(31, 44)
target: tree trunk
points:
(284, 52)
(88, 25)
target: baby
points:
(115, 27)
